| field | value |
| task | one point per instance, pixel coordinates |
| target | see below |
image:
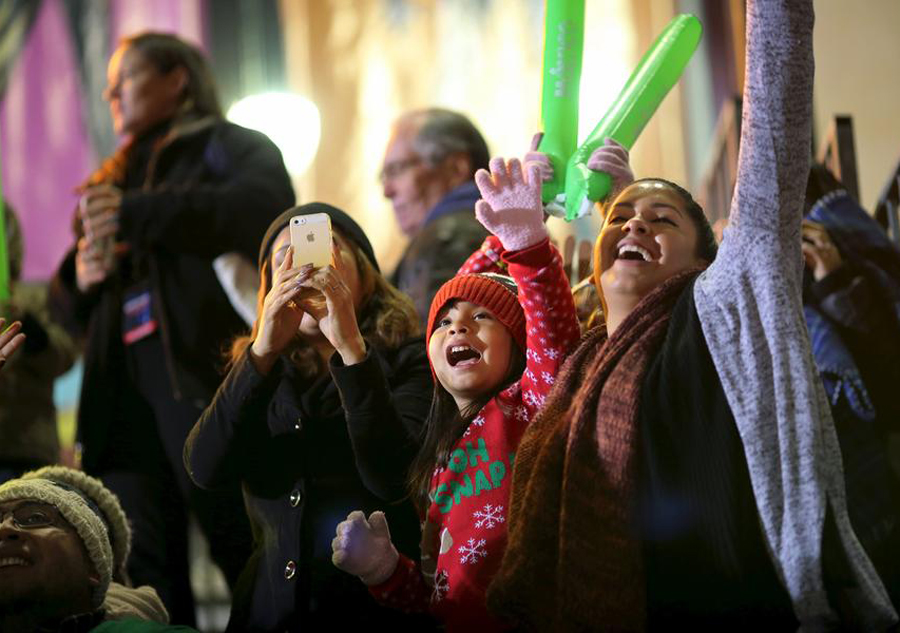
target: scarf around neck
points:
(573, 558)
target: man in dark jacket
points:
(428, 172)
(185, 187)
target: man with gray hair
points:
(427, 174)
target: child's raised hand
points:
(364, 548)
(612, 158)
(510, 207)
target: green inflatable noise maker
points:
(563, 46)
(5, 293)
(656, 74)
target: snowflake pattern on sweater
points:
(471, 492)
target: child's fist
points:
(363, 548)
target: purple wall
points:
(45, 147)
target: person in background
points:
(63, 542)
(185, 187)
(427, 174)
(320, 414)
(28, 433)
(851, 299)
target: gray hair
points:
(443, 132)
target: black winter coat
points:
(209, 187)
(308, 453)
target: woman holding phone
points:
(334, 360)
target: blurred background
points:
(325, 79)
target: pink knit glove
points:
(510, 207)
(364, 548)
(613, 159)
(534, 156)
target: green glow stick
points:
(4, 251)
(651, 81)
(563, 45)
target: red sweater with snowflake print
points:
(464, 534)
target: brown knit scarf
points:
(573, 562)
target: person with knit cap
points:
(684, 473)
(319, 414)
(63, 536)
(495, 343)
(106, 502)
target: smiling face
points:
(45, 566)
(139, 95)
(470, 351)
(647, 238)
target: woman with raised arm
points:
(685, 471)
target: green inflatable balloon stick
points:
(4, 251)
(658, 71)
(563, 45)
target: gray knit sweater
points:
(749, 304)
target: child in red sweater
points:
(495, 344)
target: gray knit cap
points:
(106, 500)
(79, 509)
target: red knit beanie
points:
(497, 293)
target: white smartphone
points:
(311, 239)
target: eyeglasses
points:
(31, 516)
(395, 168)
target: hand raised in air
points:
(510, 207)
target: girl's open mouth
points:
(462, 355)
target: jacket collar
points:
(112, 170)
(464, 196)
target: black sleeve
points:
(67, 304)
(385, 419)
(208, 219)
(869, 329)
(848, 297)
(233, 427)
